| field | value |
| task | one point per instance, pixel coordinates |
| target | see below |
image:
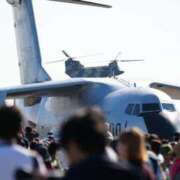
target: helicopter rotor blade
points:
(53, 62)
(84, 2)
(118, 54)
(77, 57)
(66, 54)
(103, 61)
(88, 55)
(128, 60)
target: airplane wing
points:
(172, 90)
(84, 2)
(60, 88)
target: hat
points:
(166, 149)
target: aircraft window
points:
(129, 109)
(168, 107)
(151, 107)
(136, 109)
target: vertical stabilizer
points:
(31, 70)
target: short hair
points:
(82, 128)
(11, 119)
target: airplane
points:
(49, 102)
(74, 68)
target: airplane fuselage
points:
(124, 107)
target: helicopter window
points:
(168, 107)
(150, 107)
(136, 110)
(129, 109)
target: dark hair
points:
(156, 146)
(176, 136)
(11, 119)
(83, 129)
(28, 129)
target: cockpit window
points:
(150, 107)
(129, 109)
(136, 110)
(168, 107)
(133, 109)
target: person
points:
(167, 152)
(132, 148)
(29, 134)
(37, 146)
(22, 141)
(156, 148)
(52, 149)
(175, 168)
(176, 137)
(13, 156)
(83, 137)
(109, 135)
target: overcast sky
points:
(140, 29)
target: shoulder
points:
(147, 172)
(33, 157)
(14, 151)
(177, 176)
(101, 169)
(23, 152)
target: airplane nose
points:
(159, 124)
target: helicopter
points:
(75, 68)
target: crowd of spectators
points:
(84, 150)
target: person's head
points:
(11, 120)
(28, 130)
(176, 136)
(167, 152)
(156, 146)
(83, 135)
(177, 150)
(131, 146)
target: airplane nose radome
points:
(159, 124)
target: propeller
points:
(84, 2)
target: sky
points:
(140, 29)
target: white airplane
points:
(49, 102)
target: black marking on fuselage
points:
(115, 128)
